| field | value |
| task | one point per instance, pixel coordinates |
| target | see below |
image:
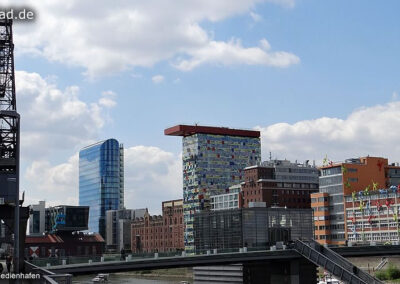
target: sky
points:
(315, 77)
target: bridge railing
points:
(55, 261)
(46, 276)
(333, 262)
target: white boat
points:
(330, 281)
(100, 278)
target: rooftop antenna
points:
(270, 155)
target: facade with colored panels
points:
(159, 233)
(213, 160)
(280, 183)
(101, 181)
(342, 179)
(372, 216)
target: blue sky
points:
(332, 88)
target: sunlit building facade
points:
(101, 181)
(213, 160)
(338, 181)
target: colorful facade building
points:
(340, 179)
(159, 233)
(280, 183)
(372, 215)
(213, 160)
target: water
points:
(126, 277)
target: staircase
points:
(337, 265)
(381, 264)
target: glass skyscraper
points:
(213, 160)
(101, 181)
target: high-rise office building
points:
(101, 181)
(213, 160)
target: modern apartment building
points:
(340, 179)
(230, 200)
(57, 219)
(280, 183)
(159, 233)
(213, 160)
(372, 215)
(101, 181)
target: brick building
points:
(280, 183)
(159, 233)
(340, 179)
(62, 245)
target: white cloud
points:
(54, 123)
(366, 131)
(108, 99)
(256, 17)
(152, 175)
(395, 96)
(105, 39)
(54, 119)
(55, 184)
(157, 79)
(232, 52)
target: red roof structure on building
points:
(51, 238)
(187, 130)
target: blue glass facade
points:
(101, 181)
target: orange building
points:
(338, 180)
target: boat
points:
(330, 281)
(100, 278)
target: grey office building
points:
(118, 228)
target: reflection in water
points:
(126, 277)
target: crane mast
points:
(10, 208)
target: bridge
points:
(330, 259)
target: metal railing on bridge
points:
(46, 276)
(67, 260)
(334, 263)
